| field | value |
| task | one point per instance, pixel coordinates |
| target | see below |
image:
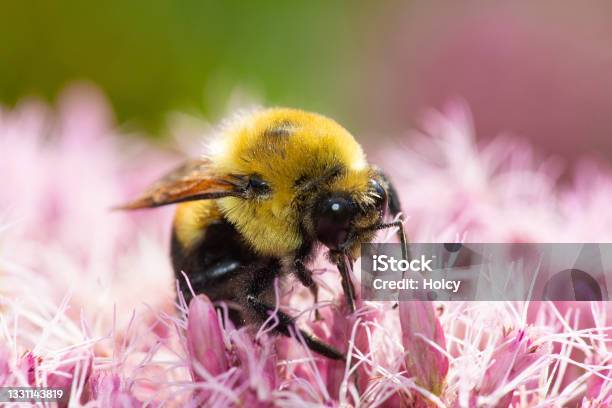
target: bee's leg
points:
(344, 265)
(259, 311)
(285, 322)
(399, 224)
(395, 208)
(305, 276)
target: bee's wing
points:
(193, 180)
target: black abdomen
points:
(214, 264)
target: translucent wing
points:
(193, 180)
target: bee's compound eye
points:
(380, 196)
(333, 220)
(257, 185)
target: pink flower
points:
(228, 363)
(27, 366)
(87, 296)
(205, 343)
(18, 372)
(109, 390)
(70, 369)
(334, 328)
(599, 390)
(512, 357)
(424, 344)
(5, 365)
(256, 365)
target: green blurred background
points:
(540, 70)
(158, 56)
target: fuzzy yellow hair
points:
(282, 146)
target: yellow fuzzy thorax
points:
(282, 146)
(192, 218)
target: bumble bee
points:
(278, 184)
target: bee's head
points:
(295, 177)
(339, 220)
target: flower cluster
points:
(87, 299)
